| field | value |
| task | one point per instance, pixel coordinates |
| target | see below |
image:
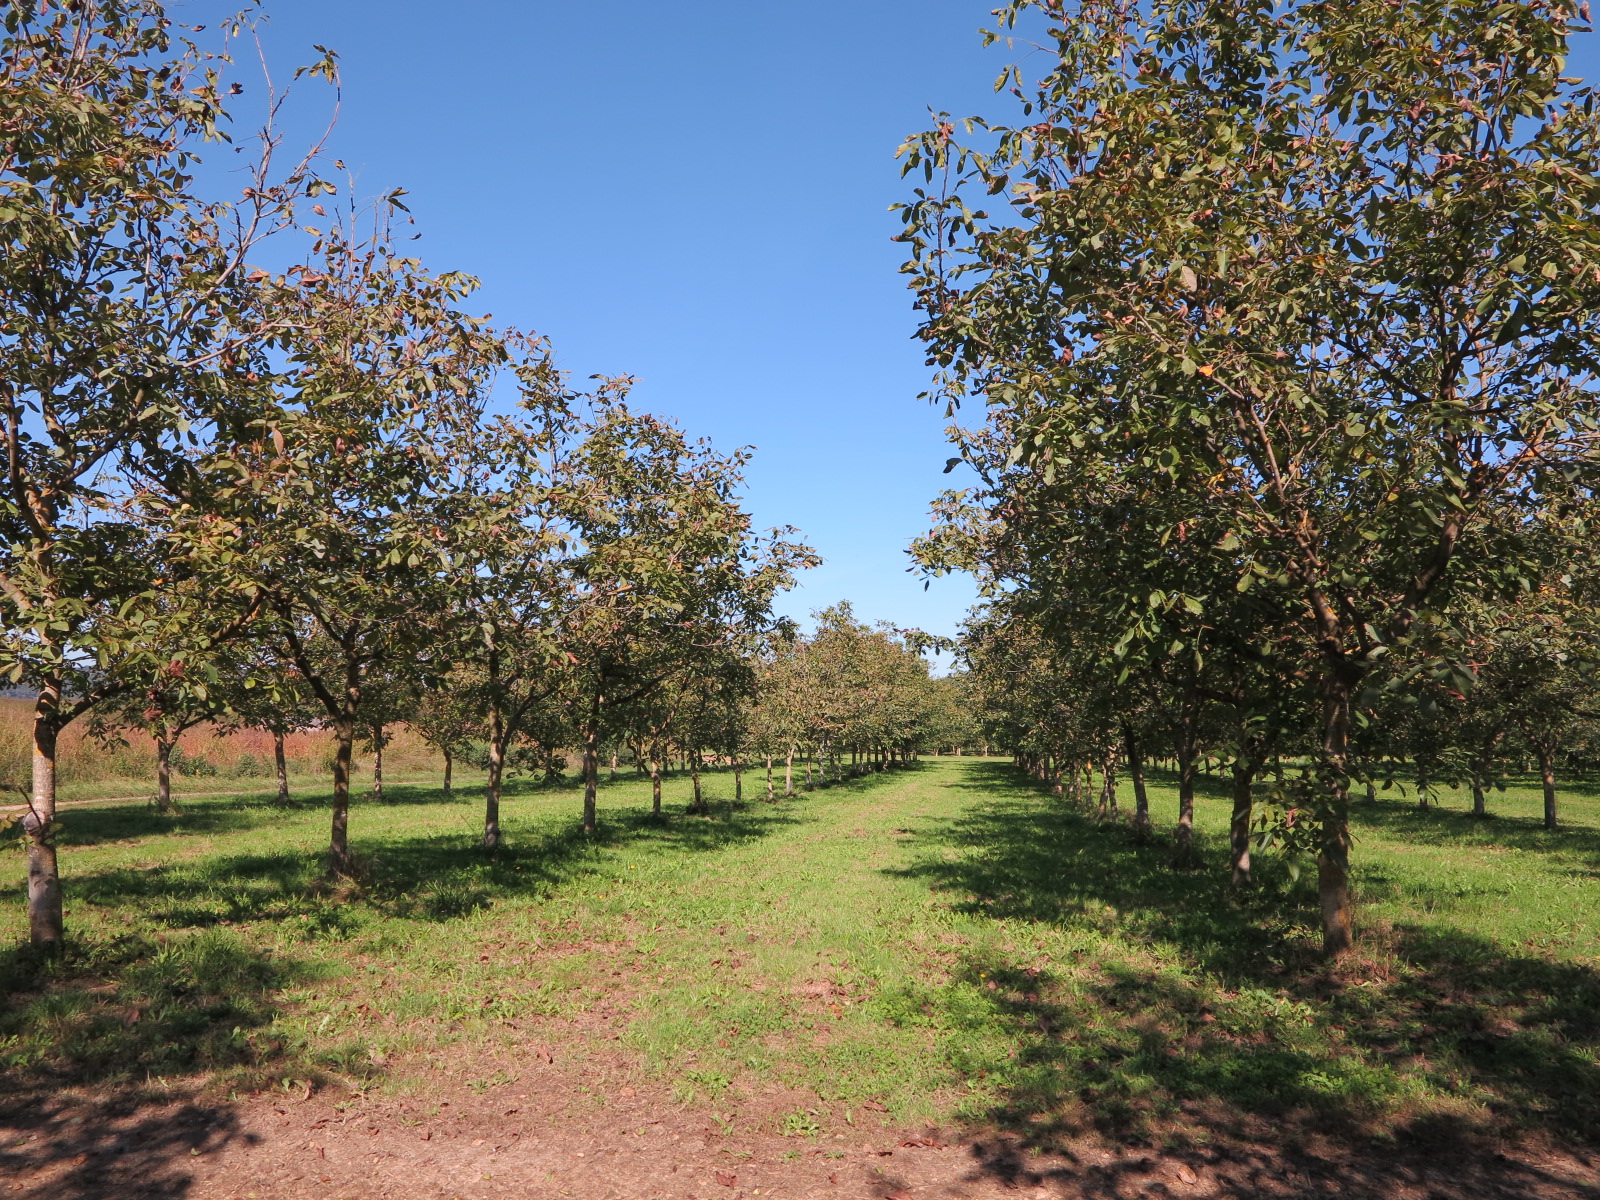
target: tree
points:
(1322, 267)
(332, 509)
(127, 325)
(667, 572)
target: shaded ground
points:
(935, 983)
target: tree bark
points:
(788, 773)
(1141, 798)
(497, 767)
(1480, 807)
(449, 770)
(699, 804)
(1244, 775)
(738, 780)
(591, 765)
(655, 785)
(1333, 850)
(344, 732)
(769, 777)
(377, 763)
(1185, 856)
(163, 774)
(1547, 776)
(45, 927)
(282, 765)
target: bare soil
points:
(594, 1130)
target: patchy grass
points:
(938, 942)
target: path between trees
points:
(569, 1105)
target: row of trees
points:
(1287, 333)
(282, 495)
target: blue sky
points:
(695, 193)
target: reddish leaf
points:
(1185, 1175)
(875, 1106)
(726, 1180)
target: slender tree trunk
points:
(1480, 807)
(1333, 851)
(655, 784)
(1244, 775)
(788, 772)
(591, 765)
(1547, 776)
(769, 777)
(613, 766)
(1141, 798)
(699, 805)
(377, 762)
(344, 732)
(281, 763)
(163, 774)
(497, 767)
(738, 780)
(1185, 856)
(45, 927)
(809, 784)
(449, 769)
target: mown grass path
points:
(944, 944)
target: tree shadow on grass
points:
(425, 875)
(1205, 1022)
(127, 1022)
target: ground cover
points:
(792, 993)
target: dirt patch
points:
(595, 1130)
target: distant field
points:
(946, 942)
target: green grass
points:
(943, 942)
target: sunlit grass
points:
(946, 941)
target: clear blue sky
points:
(694, 193)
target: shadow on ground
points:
(1194, 1019)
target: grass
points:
(939, 942)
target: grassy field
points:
(944, 943)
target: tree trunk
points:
(788, 773)
(809, 784)
(45, 927)
(279, 761)
(1244, 774)
(1333, 850)
(1185, 856)
(344, 732)
(1547, 776)
(699, 805)
(377, 763)
(449, 770)
(163, 774)
(497, 767)
(591, 765)
(1480, 807)
(655, 785)
(738, 780)
(613, 766)
(1141, 798)
(769, 777)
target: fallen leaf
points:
(426, 1134)
(627, 1092)
(726, 1180)
(479, 1141)
(1185, 1175)
(875, 1106)
(833, 1177)
(898, 1194)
